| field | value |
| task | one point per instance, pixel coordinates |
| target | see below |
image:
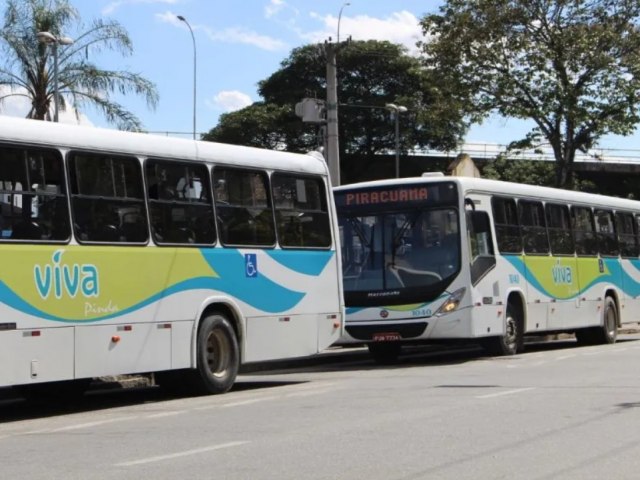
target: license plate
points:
(385, 337)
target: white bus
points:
(440, 257)
(124, 253)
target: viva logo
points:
(64, 279)
(562, 274)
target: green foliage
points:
(571, 66)
(370, 75)
(27, 66)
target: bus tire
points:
(218, 355)
(607, 333)
(385, 353)
(512, 341)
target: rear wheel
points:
(218, 357)
(512, 341)
(385, 353)
(607, 333)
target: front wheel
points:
(512, 341)
(218, 356)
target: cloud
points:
(230, 100)
(18, 105)
(273, 8)
(400, 27)
(245, 36)
(229, 35)
(113, 6)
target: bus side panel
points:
(116, 349)
(631, 288)
(36, 355)
(590, 270)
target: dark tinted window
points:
(606, 233)
(627, 235)
(243, 207)
(559, 228)
(107, 199)
(300, 205)
(533, 225)
(583, 231)
(33, 202)
(180, 203)
(505, 218)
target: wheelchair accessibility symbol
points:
(251, 265)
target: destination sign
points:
(395, 195)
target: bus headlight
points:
(451, 303)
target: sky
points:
(240, 42)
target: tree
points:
(570, 66)
(370, 75)
(28, 64)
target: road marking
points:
(186, 453)
(508, 392)
(89, 424)
(165, 414)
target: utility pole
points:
(332, 152)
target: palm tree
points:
(27, 64)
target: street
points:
(558, 411)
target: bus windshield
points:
(399, 253)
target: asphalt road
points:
(557, 411)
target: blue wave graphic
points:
(260, 292)
(306, 262)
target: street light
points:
(193, 38)
(345, 4)
(49, 38)
(397, 110)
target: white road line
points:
(165, 414)
(186, 453)
(89, 424)
(248, 401)
(564, 357)
(508, 392)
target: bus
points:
(127, 253)
(453, 258)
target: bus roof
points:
(498, 187)
(40, 133)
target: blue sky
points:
(239, 43)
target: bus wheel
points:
(218, 357)
(385, 353)
(607, 333)
(512, 341)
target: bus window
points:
(534, 229)
(302, 219)
(605, 233)
(583, 231)
(180, 205)
(505, 218)
(33, 203)
(243, 207)
(559, 227)
(627, 237)
(107, 199)
(480, 244)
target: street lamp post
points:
(49, 38)
(193, 38)
(397, 110)
(345, 4)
